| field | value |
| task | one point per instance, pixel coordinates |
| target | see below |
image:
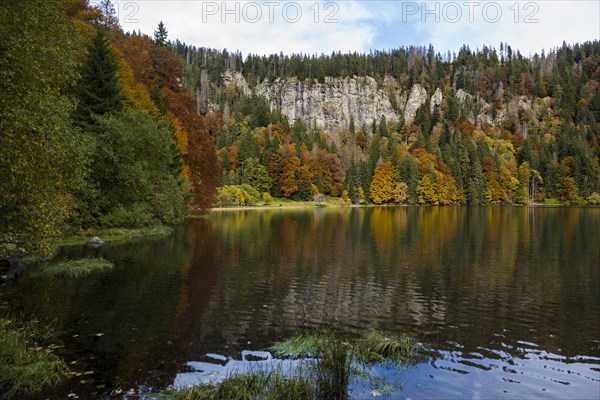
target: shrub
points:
(594, 199)
(135, 216)
(252, 192)
(267, 198)
(169, 203)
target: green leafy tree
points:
(135, 161)
(41, 157)
(256, 175)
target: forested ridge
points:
(544, 149)
(103, 128)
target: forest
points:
(106, 128)
(97, 130)
(547, 153)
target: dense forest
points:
(103, 128)
(545, 153)
(96, 128)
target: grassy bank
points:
(115, 234)
(278, 203)
(27, 363)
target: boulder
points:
(96, 242)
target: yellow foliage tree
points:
(427, 191)
(401, 192)
(382, 185)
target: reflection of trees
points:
(131, 308)
(407, 268)
(445, 273)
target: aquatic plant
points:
(334, 361)
(261, 385)
(73, 268)
(329, 364)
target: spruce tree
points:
(160, 35)
(98, 91)
(409, 175)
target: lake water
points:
(506, 299)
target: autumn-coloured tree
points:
(427, 191)
(382, 185)
(289, 163)
(567, 189)
(200, 153)
(401, 193)
(41, 156)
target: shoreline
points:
(309, 206)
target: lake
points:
(505, 299)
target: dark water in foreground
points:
(506, 299)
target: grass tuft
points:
(73, 268)
(26, 366)
(332, 363)
(378, 347)
(259, 385)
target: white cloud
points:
(529, 26)
(280, 26)
(366, 25)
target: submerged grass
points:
(338, 361)
(26, 366)
(331, 361)
(375, 347)
(73, 268)
(254, 386)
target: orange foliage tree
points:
(159, 69)
(289, 163)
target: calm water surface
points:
(507, 300)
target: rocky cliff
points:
(332, 103)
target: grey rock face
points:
(329, 104)
(332, 103)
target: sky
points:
(315, 27)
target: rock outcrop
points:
(332, 103)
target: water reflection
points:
(506, 298)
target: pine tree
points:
(98, 90)
(476, 186)
(408, 174)
(351, 127)
(110, 21)
(256, 175)
(160, 35)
